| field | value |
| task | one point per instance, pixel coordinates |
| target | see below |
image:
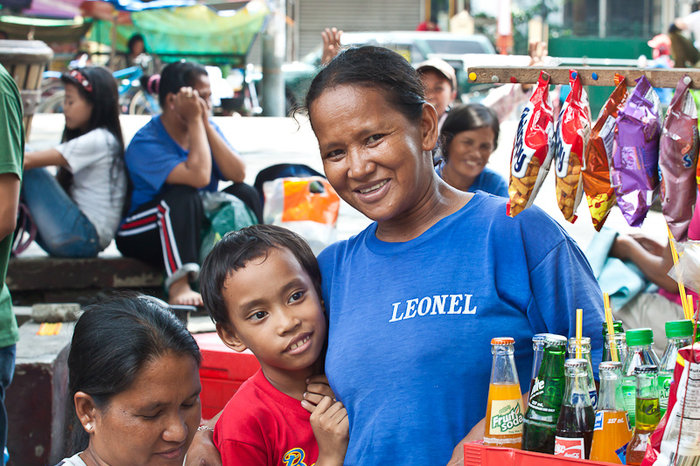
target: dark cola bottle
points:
(545, 397)
(574, 433)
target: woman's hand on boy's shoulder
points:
(329, 422)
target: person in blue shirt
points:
(468, 138)
(174, 157)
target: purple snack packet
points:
(634, 164)
(678, 156)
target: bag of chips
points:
(596, 171)
(678, 158)
(570, 140)
(634, 166)
(532, 154)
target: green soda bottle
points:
(639, 353)
(679, 334)
(619, 342)
(647, 412)
(545, 398)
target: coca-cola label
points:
(569, 447)
(506, 417)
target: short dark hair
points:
(236, 249)
(133, 39)
(467, 118)
(176, 76)
(114, 339)
(377, 67)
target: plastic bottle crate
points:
(479, 454)
(221, 373)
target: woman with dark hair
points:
(414, 300)
(468, 138)
(134, 378)
(173, 158)
(78, 212)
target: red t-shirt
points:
(262, 426)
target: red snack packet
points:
(570, 139)
(678, 158)
(596, 171)
(531, 156)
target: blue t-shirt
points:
(410, 323)
(488, 181)
(151, 156)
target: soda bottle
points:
(620, 343)
(585, 354)
(647, 411)
(504, 408)
(538, 343)
(679, 334)
(639, 353)
(611, 430)
(544, 402)
(575, 425)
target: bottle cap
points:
(639, 337)
(609, 365)
(502, 341)
(584, 340)
(617, 327)
(538, 339)
(555, 340)
(679, 328)
(646, 369)
(576, 363)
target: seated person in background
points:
(440, 83)
(170, 160)
(468, 138)
(77, 212)
(134, 379)
(262, 288)
(136, 55)
(683, 52)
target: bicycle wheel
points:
(52, 104)
(141, 104)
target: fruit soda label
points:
(569, 447)
(506, 417)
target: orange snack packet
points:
(570, 140)
(596, 171)
(532, 154)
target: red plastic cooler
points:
(479, 454)
(222, 372)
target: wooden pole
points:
(590, 76)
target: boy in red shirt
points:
(262, 287)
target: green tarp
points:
(196, 31)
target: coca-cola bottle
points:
(545, 397)
(576, 419)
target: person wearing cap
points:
(440, 83)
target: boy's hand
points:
(202, 451)
(317, 387)
(329, 422)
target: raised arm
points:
(653, 260)
(227, 159)
(196, 170)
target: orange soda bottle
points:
(504, 408)
(611, 429)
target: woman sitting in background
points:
(134, 377)
(468, 138)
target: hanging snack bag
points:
(531, 156)
(678, 158)
(634, 166)
(570, 140)
(596, 171)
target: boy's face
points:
(438, 90)
(275, 312)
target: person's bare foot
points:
(181, 294)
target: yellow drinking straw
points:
(579, 329)
(611, 328)
(681, 288)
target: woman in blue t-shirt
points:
(468, 138)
